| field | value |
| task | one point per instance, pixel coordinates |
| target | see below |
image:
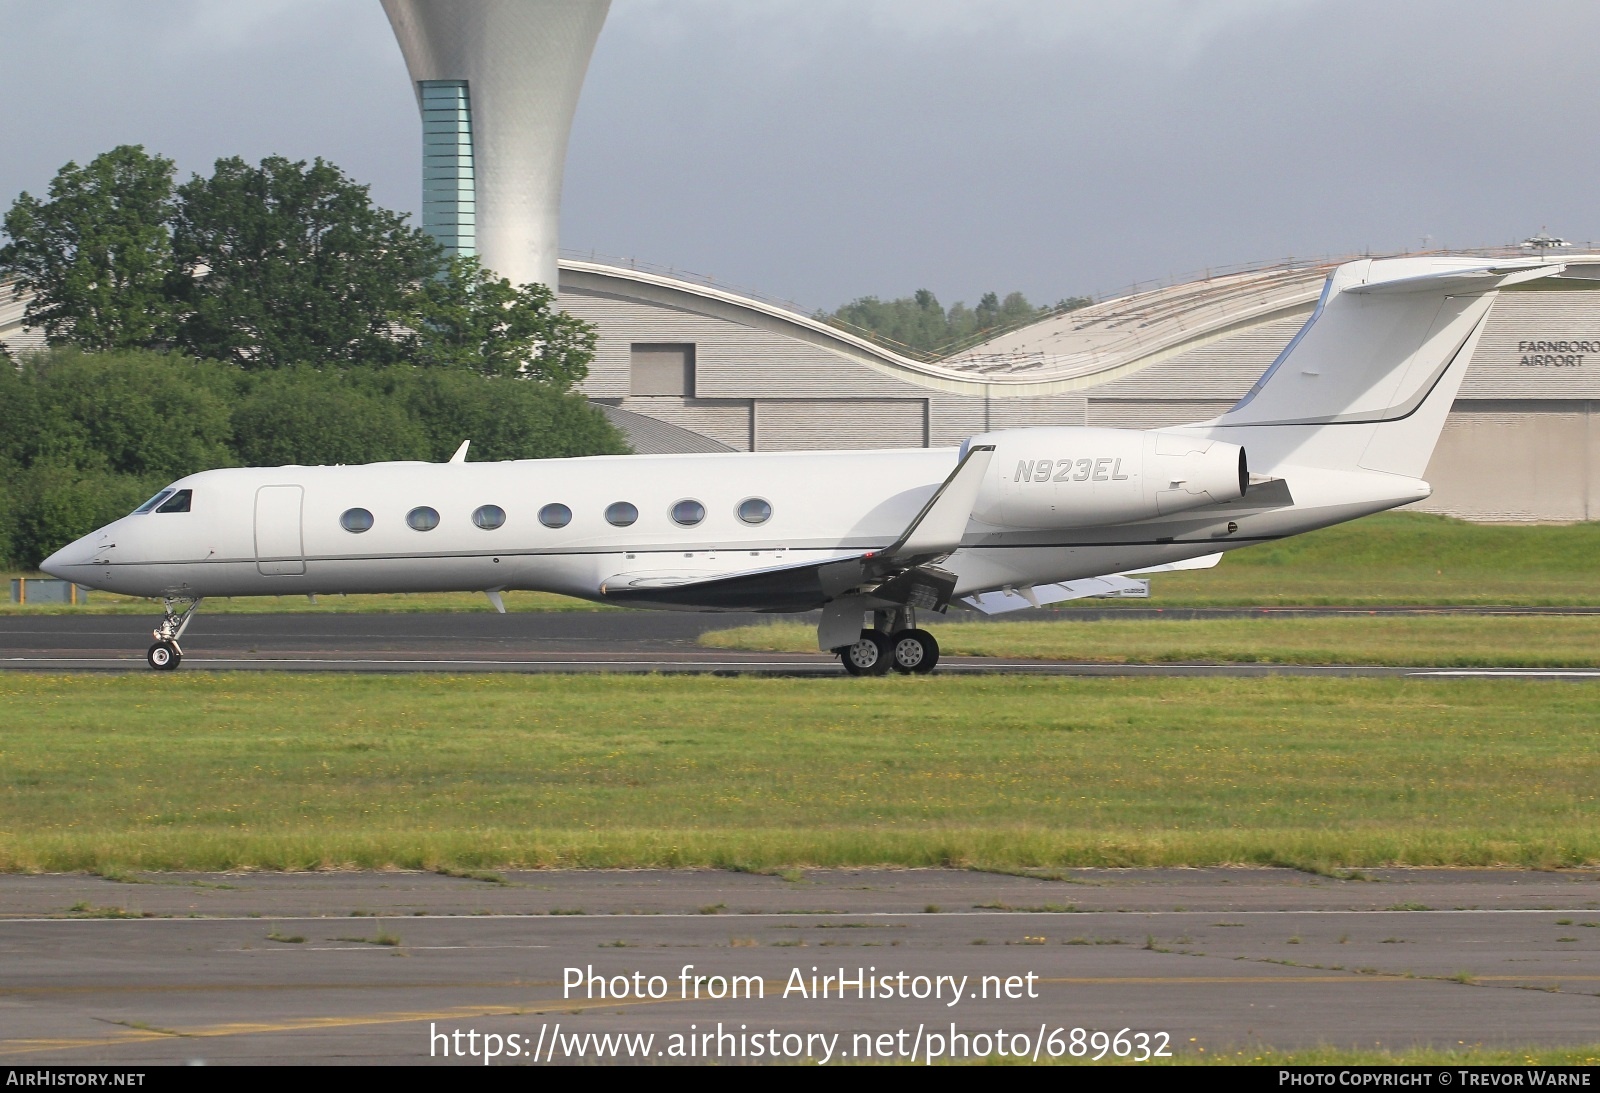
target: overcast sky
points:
(819, 150)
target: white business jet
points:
(1340, 426)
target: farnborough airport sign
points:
(1558, 354)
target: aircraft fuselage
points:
(271, 531)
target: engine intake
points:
(1081, 477)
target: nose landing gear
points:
(166, 654)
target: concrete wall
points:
(1517, 461)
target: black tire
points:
(914, 651)
(163, 656)
(867, 657)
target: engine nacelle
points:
(1081, 477)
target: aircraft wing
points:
(798, 587)
(1015, 599)
(933, 534)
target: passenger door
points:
(280, 551)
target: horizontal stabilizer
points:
(1463, 282)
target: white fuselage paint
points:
(238, 539)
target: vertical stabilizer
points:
(1368, 381)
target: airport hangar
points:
(685, 366)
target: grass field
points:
(201, 771)
(1402, 557)
(1405, 558)
(1561, 641)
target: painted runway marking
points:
(1536, 673)
(316, 1024)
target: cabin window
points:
(178, 502)
(152, 503)
(422, 518)
(355, 521)
(489, 517)
(688, 513)
(755, 510)
(555, 515)
(620, 514)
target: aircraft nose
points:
(53, 564)
(79, 552)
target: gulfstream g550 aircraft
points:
(1342, 425)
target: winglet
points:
(461, 453)
(940, 525)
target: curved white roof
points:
(1068, 352)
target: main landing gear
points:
(895, 643)
(166, 654)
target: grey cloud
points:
(824, 149)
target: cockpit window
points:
(152, 503)
(178, 502)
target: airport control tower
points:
(497, 82)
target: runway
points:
(573, 641)
(367, 967)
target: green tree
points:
(504, 417)
(97, 254)
(283, 264)
(132, 412)
(9, 514)
(309, 416)
(467, 318)
(918, 323)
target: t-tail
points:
(1366, 384)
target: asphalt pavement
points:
(388, 967)
(568, 641)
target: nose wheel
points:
(164, 656)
